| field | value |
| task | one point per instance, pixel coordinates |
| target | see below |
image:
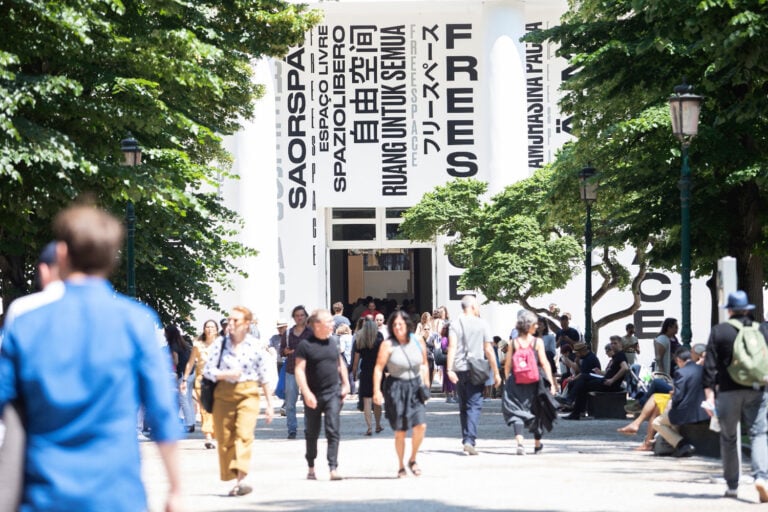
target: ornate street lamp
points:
(684, 109)
(588, 189)
(131, 158)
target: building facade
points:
(383, 102)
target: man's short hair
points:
(683, 354)
(338, 307)
(93, 238)
(468, 301)
(314, 318)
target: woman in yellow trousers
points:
(241, 377)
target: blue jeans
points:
(291, 397)
(630, 379)
(749, 407)
(656, 386)
(470, 406)
(186, 403)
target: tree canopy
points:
(77, 75)
(630, 54)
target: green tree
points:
(513, 247)
(629, 55)
(520, 244)
(77, 75)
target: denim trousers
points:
(656, 386)
(186, 401)
(291, 397)
(470, 406)
(329, 407)
(749, 407)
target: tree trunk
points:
(714, 313)
(745, 234)
(629, 310)
(12, 282)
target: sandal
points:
(628, 431)
(379, 429)
(401, 473)
(368, 432)
(414, 468)
(240, 490)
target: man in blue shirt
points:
(79, 365)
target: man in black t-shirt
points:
(567, 335)
(321, 375)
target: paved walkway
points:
(585, 466)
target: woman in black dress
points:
(405, 360)
(367, 341)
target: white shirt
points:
(246, 358)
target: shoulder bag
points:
(207, 386)
(479, 368)
(423, 392)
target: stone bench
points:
(607, 404)
(706, 442)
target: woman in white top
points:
(200, 351)
(241, 376)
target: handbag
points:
(207, 386)
(424, 393)
(437, 353)
(479, 370)
(478, 367)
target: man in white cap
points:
(735, 402)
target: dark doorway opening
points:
(384, 274)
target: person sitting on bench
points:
(685, 405)
(609, 381)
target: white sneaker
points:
(731, 493)
(469, 449)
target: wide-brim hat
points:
(282, 323)
(738, 300)
(580, 346)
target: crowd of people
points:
(392, 352)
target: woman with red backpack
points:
(528, 398)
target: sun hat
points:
(738, 300)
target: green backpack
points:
(749, 365)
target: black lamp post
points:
(588, 190)
(684, 109)
(131, 157)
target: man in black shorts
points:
(321, 375)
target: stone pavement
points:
(585, 466)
